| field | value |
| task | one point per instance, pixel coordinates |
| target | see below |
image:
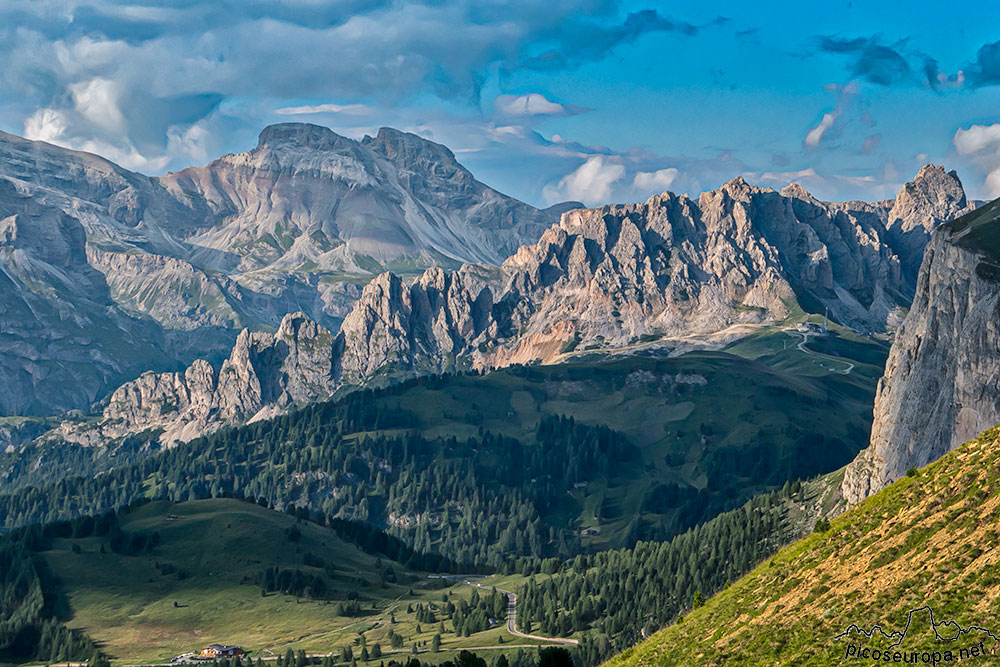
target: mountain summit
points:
(306, 195)
(106, 273)
(667, 274)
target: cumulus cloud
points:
(46, 125)
(977, 138)
(981, 143)
(97, 101)
(655, 181)
(591, 183)
(136, 75)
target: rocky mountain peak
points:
(941, 384)
(738, 189)
(301, 136)
(796, 191)
(933, 196)
(408, 148)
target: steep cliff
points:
(669, 273)
(942, 378)
(264, 374)
(106, 273)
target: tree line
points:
(29, 626)
(476, 501)
(615, 598)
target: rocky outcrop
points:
(105, 273)
(264, 374)
(62, 342)
(672, 272)
(933, 197)
(942, 380)
(18, 431)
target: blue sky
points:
(546, 100)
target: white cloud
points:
(658, 181)
(46, 125)
(192, 142)
(591, 183)
(126, 156)
(532, 104)
(977, 138)
(97, 101)
(350, 109)
(845, 96)
(982, 144)
(814, 135)
(993, 183)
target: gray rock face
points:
(58, 326)
(105, 273)
(666, 269)
(306, 195)
(942, 380)
(264, 374)
(672, 272)
(17, 432)
(933, 197)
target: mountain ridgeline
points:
(941, 380)
(671, 273)
(108, 273)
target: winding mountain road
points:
(512, 618)
(804, 350)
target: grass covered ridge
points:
(929, 539)
(197, 587)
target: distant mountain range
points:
(669, 274)
(107, 273)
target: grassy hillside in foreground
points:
(929, 540)
(197, 587)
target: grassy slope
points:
(926, 540)
(763, 394)
(126, 605)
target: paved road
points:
(512, 618)
(802, 348)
